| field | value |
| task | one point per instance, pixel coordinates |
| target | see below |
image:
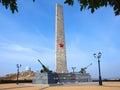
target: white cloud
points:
(80, 54)
(21, 52)
(15, 53)
(76, 57)
(15, 47)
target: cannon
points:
(83, 70)
(44, 68)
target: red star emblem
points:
(61, 44)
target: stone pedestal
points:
(45, 78)
(74, 77)
(55, 78)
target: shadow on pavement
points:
(44, 88)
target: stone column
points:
(61, 64)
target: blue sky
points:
(30, 34)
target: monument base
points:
(45, 78)
(74, 77)
(59, 78)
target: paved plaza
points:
(77, 86)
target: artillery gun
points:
(83, 70)
(44, 68)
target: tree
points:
(95, 4)
(84, 4)
(12, 4)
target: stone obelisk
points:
(61, 64)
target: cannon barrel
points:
(40, 62)
(45, 69)
(84, 69)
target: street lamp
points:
(73, 68)
(18, 66)
(98, 57)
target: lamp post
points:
(18, 66)
(73, 68)
(98, 57)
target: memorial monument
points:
(61, 63)
(61, 74)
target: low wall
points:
(14, 81)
